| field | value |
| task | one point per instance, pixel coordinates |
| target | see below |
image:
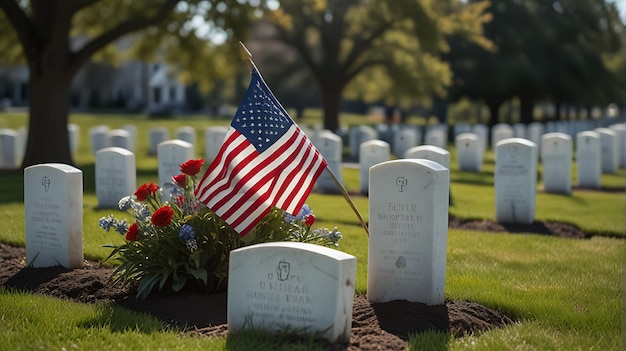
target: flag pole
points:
(247, 57)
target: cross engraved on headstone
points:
(401, 182)
(45, 181)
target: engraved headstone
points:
(588, 160)
(9, 145)
(213, 140)
(620, 130)
(155, 137)
(556, 154)
(98, 138)
(330, 146)
(53, 209)
(372, 153)
(608, 150)
(430, 152)
(482, 131)
(291, 286)
(408, 225)
(519, 130)
(436, 136)
(404, 139)
(499, 132)
(470, 152)
(516, 181)
(132, 129)
(171, 154)
(116, 175)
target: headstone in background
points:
(53, 211)
(588, 160)
(22, 133)
(535, 131)
(120, 138)
(359, 135)
(132, 129)
(500, 132)
(171, 154)
(372, 153)
(470, 152)
(403, 140)
(155, 137)
(608, 150)
(436, 136)
(98, 138)
(556, 155)
(9, 149)
(186, 133)
(116, 175)
(620, 130)
(73, 131)
(516, 181)
(482, 131)
(519, 130)
(460, 128)
(213, 139)
(330, 146)
(408, 225)
(291, 286)
(430, 152)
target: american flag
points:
(265, 161)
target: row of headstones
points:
(295, 286)
(13, 145)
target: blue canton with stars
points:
(260, 117)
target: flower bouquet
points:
(176, 242)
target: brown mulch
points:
(380, 326)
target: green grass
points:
(565, 294)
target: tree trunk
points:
(48, 138)
(494, 107)
(331, 96)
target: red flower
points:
(131, 234)
(309, 220)
(181, 180)
(162, 217)
(144, 191)
(191, 167)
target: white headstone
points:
(534, 132)
(372, 153)
(608, 150)
(462, 128)
(408, 225)
(470, 152)
(359, 135)
(213, 140)
(22, 134)
(291, 286)
(556, 155)
(499, 132)
(155, 137)
(171, 155)
(186, 133)
(98, 138)
(132, 129)
(588, 160)
(620, 130)
(404, 139)
(519, 130)
(116, 176)
(430, 152)
(516, 180)
(9, 149)
(482, 131)
(53, 208)
(330, 146)
(436, 136)
(120, 138)
(74, 135)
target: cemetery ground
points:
(558, 280)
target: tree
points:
(375, 49)
(46, 31)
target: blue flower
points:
(142, 212)
(305, 211)
(121, 226)
(125, 203)
(186, 232)
(106, 222)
